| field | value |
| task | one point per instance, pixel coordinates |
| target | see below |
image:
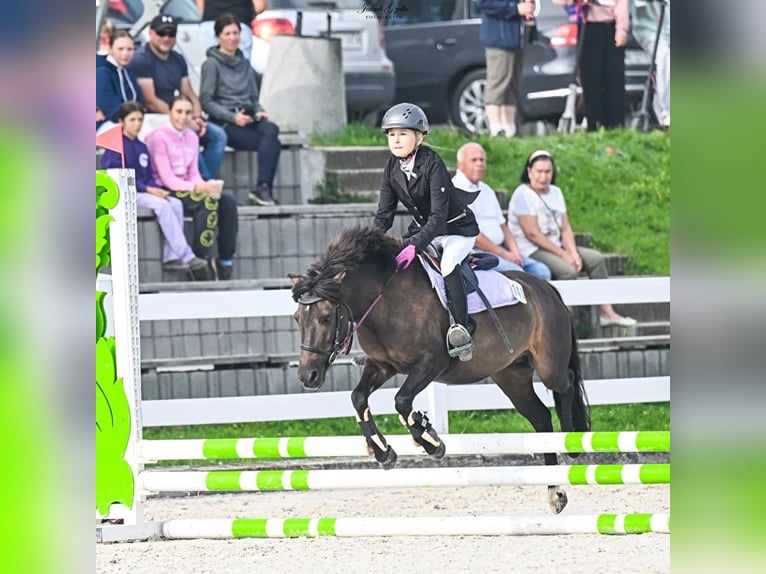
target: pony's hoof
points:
(557, 499)
(440, 451)
(389, 459)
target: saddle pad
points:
(500, 290)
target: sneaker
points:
(224, 272)
(199, 269)
(621, 322)
(261, 195)
(175, 265)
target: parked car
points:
(368, 72)
(440, 63)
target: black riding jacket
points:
(436, 205)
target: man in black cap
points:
(162, 73)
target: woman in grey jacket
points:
(229, 95)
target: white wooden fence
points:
(438, 400)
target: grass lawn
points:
(604, 418)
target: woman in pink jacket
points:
(173, 152)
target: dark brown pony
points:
(405, 333)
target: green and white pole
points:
(416, 526)
(457, 444)
(273, 480)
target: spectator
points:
(602, 63)
(494, 236)
(502, 37)
(176, 253)
(104, 37)
(537, 216)
(173, 151)
(645, 17)
(162, 73)
(229, 95)
(115, 83)
(245, 10)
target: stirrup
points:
(459, 342)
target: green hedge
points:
(617, 184)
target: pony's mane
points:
(347, 251)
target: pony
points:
(355, 287)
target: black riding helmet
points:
(404, 115)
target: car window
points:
(420, 11)
(473, 10)
(320, 4)
(129, 11)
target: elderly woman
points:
(537, 217)
(229, 95)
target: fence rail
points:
(438, 400)
(279, 303)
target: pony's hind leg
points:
(373, 376)
(516, 383)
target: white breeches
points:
(456, 248)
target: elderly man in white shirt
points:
(494, 236)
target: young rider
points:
(417, 176)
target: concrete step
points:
(624, 342)
(647, 329)
(354, 180)
(372, 157)
(616, 263)
(583, 239)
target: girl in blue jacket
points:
(115, 84)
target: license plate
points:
(636, 58)
(349, 40)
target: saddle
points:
(474, 261)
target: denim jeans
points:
(263, 137)
(213, 144)
(536, 268)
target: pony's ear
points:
(294, 278)
(339, 277)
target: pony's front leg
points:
(373, 376)
(416, 422)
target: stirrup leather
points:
(459, 342)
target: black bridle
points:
(342, 311)
(339, 346)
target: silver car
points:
(368, 73)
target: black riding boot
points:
(459, 341)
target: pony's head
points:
(323, 318)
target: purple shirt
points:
(136, 157)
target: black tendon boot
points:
(459, 341)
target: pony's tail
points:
(580, 407)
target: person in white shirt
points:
(494, 236)
(537, 217)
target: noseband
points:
(342, 311)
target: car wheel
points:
(467, 102)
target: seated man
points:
(162, 73)
(494, 236)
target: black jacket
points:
(436, 205)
